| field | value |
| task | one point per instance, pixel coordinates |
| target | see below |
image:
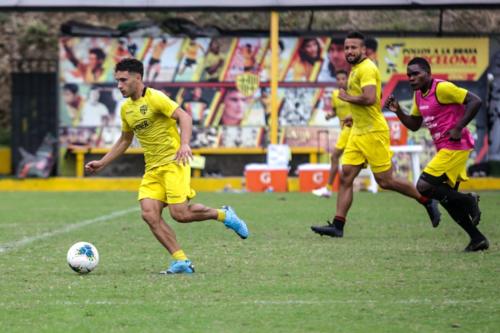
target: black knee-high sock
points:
(458, 205)
(444, 192)
(461, 216)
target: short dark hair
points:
(71, 87)
(371, 43)
(424, 64)
(130, 65)
(99, 53)
(356, 35)
(337, 41)
(341, 71)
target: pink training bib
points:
(440, 118)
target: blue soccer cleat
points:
(232, 221)
(179, 267)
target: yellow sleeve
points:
(163, 104)
(448, 93)
(125, 125)
(368, 77)
(414, 109)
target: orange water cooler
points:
(263, 177)
(314, 176)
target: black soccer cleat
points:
(329, 230)
(475, 214)
(475, 246)
(432, 209)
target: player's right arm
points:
(213, 68)
(118, 149)
(331, 114)
(412, 122)
(330, 108)
(69, 52)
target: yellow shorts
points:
(170, 183)
(452, 163)
(373, 148)
(343, 137)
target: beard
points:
(354, 60)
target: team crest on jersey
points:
(247, 83)
(143, 109)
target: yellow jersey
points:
(192, 51)
(366, 118)
(342, 108)
(150, 118)
(213, 59)
(158, 50)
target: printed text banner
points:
(462, 59)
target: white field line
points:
(412, 301)
(9, 225)
(11, 246)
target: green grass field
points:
(392, 272)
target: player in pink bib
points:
(446, 110)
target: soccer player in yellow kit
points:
(153, 118)
(342, 110)
(369, 141)
(190, 54)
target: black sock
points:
(444, 193)
(339, 222)
(461, 216)
(458, 205)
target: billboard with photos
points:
(223, 83)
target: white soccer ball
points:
(82, 257)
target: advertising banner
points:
(223, 83)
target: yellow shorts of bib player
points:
(451, 163)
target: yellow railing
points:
(80, 153)
(5, 160)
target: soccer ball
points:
(82, 257)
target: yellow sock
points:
(221, 215)
(329, 187)
(179, 255)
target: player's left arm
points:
(368, 96)
(472, 104)
(186, 128)
(448, 93)
(368, 81)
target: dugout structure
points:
(275, 117)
